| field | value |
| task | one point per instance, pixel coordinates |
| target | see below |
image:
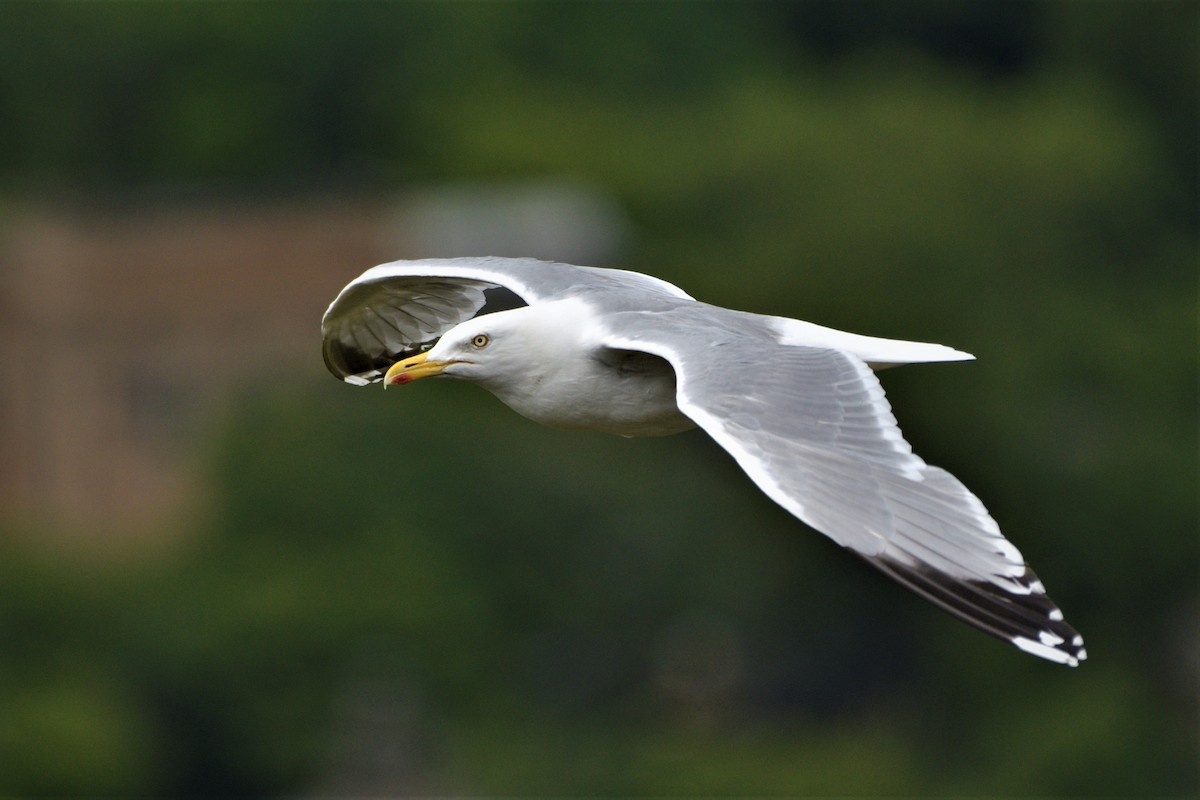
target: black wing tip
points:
(1028, 620)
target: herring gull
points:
(796, 404)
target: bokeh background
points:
(224, 573)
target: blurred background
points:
(222, 572)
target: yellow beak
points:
(414, 368)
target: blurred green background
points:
(422, 593)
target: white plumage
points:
(796, 404)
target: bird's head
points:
(490, 349)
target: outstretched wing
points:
(395, 310)
(812, 428)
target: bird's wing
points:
(397, 309)
(812, 428)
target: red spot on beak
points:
(402, 378)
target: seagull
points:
(797, 405)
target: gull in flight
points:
(796, 404)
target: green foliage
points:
(421, 592)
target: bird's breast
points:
(620, 392)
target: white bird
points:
(796, 404)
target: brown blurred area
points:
(122, 333)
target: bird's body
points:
(558, 380)
(797, 404)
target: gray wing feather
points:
(373, 324)
(812, 428)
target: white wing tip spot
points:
(1050, 639)
(1047, 652)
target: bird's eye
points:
(480, 341)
